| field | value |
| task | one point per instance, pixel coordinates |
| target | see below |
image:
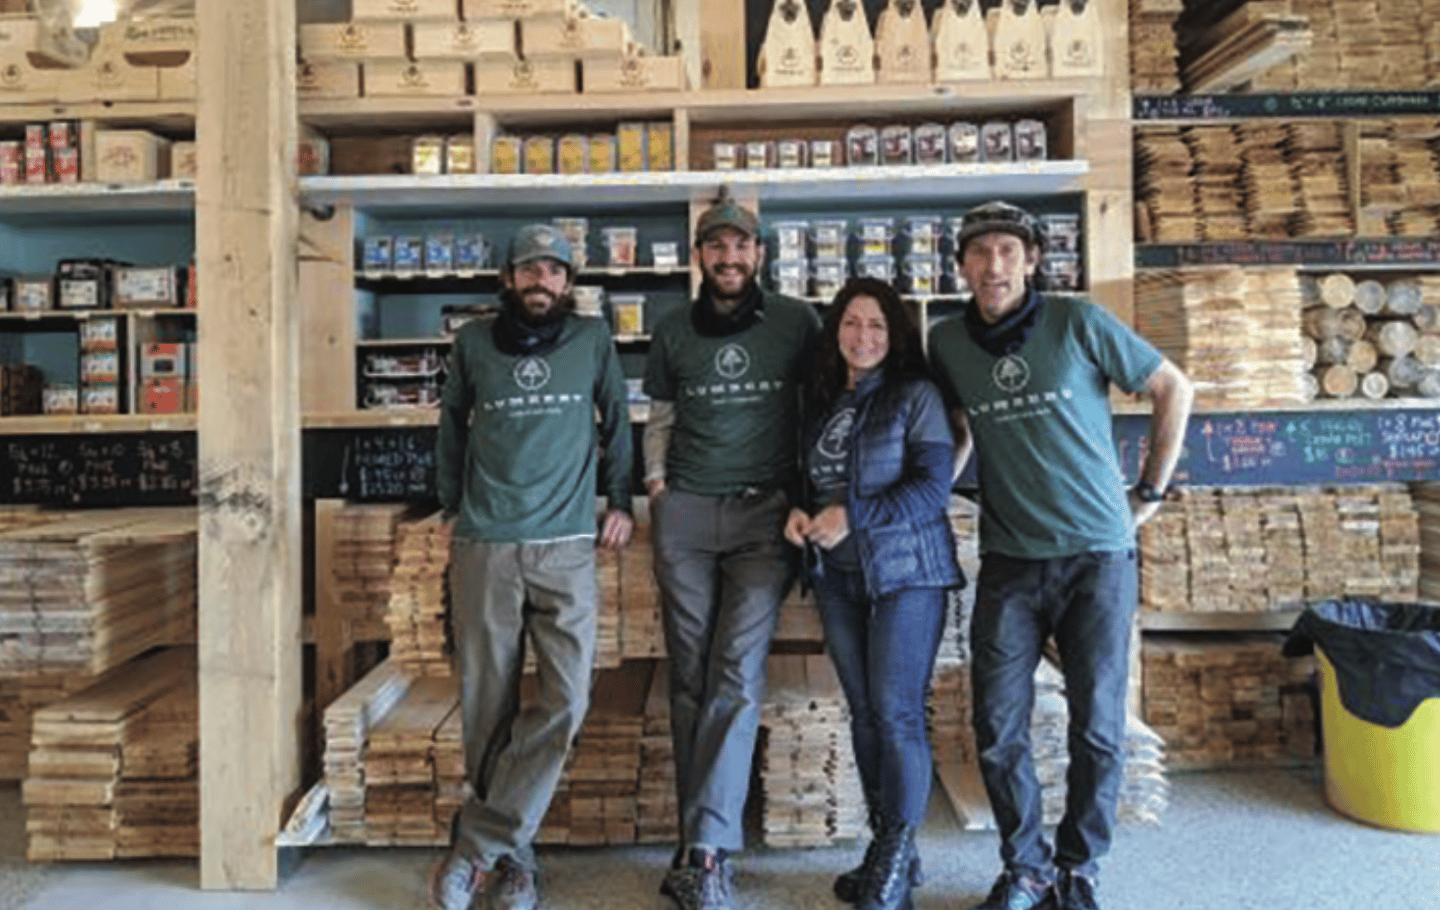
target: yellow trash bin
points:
(1384, 776)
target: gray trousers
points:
(514, 752)
(722, 565)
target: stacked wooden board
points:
(1264, 550)
(1154, 67)
(1218, 161)
(1235, 332)
(641, 631)
(20, 698)
(113, 768)
(657, 801)
(91, 591)
(810, 788)
(1362, 44)
(1218, 56)
(400, 784)
(1165, 192)
(419, 596)
(1315, 151)
(348, 723)
(364, 559)
(1427, 505)
(1229, 700)
(1373, 335)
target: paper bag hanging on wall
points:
(902, 43)
(1017, 37)
(788, 55)
(847, 50)
(1075, 40)
(961, 41)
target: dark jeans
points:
(884, 652)
(1088, 603)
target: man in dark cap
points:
(517, 460)
(724, 378)
(1027, 379)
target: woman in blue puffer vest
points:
(878, 459)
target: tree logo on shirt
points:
(1011, 374)
(732, 361)
(532, 373)
(835, 441)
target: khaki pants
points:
(504, 593)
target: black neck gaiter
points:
(1009, 334)
(711, 323)
(517, 337)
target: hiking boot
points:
(456, 882)
(1014, 891)
(511, 886)
(888, 885)
(702, 883)
(1075, 892)
(848, 884)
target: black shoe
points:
(887, 887)
(703, 883)
(1014, 891)
(848, 884)
(1075, 892)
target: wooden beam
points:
(327, 312)
(722, 45)
(332, 627)
(249, 447)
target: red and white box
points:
(162, 396)
(12, 162)
(163, 361)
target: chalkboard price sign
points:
(1286, 104)
(104, 469)
(1394, 251)
(371, 464)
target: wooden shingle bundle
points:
(1154, 67)
(399, 771)
(364, 558)
(1165, 192)
(348, 722)
(419, 596)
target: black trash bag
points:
(1386, 655)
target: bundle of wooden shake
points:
(1234, 331)
(1165, 188)
(1362, 44)
(400, 790)
(363, 558)
(657, 804)
(91, 591)
(113, 768)
(1263, 550)
(1427, 505)
(810, 788)
(1227, 700)
(1372, 337)
(1314, 150)
(419, 596)
(349, 721)
(1220, 54)
(1154, 69)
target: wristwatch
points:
(1145, 492)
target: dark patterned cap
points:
(997, 216)
(725, 212)
(540, 241)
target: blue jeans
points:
(1088, 603)
(884, 652)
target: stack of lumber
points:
(1362, 44)
(20, 698)
(641, 632)
(657, 803)
(1430, 29)
(1270, 187)
(1382, 195)
(797, 628)
(1218, 56)
(1234, 331)
(609, 606)
(25, 516)
(1373, 337)
(418, 596)
(1220, 701)
(1165, 191)
(1427, 504)
(113, 768)
(1263, 550)
(1418, 171)
(810, 788)
(1218, 160)
(348, 723)
(400, 792)
(599, 794)
(1154, 69)
(449, 760)
(1314, 150)
(91, 591)
(363, 559)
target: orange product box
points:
(163, 396)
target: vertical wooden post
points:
(327, 312)
(249, 442)
(1109, 203)
(722, 46)
(334, 637)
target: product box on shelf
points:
(413, 80)
(525, 77)
(439, 253)
(318, 79)
(464, 42)
(61, 398)
(162, 360)
(460, 154)
(12, 162)
(83, 284)
(630, 139)
(592, 37)
(99, 367)
(37, 154)
(409, 255)
(539, 155)
(572, 154)
(471, 10)
(403, 10)
(100, 398)
(506, 154)
(34, 295)
(361, 42)
(604, 155)
(147, 287)
(634, 74)
(130, 156)
(660, 146)
(100, 333)
(162, 396)
(427, 155)
(377, 256)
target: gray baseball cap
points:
(997, 216)
(725, 212)
(540, 241)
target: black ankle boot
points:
(887, 887)
(848, 885)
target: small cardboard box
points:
(146, 287)
(177, 83)
(162, 396)
(660, 145)
(99, 366)
(525, 77)
(362, 42)
(472, 10)
(103, 398)
(184, 160)
(630, 147)
(464, 42)
(109, 76)
(61, 399)
(326, 80)
(554, 36)
(413, 80)
(403, 10)
(130, 156)
(635, 74)
(162, 361)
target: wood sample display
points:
(788, 57)
(902, 44)
(1077, 42)
(1259, 550)
(1017, 40)
(961, 41)
(847, 49)
(1374, 337)
(1154, 55)
(91, 591)
(1227, 701)
(113, 768)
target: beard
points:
(556, 309)
(747, 285)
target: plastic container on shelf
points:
(876, 235)
(878, 267)
(924, 233)
(829, 275)
(830, 237)
(791, 239)
(1061, 232)
(665, 254)
(923, 275)
(1061, 270)
(621, 244)
(577, 231)
(792, 276)
(589, 299)
(628, 313)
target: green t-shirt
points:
(1049, 475)
(737, 398)
(518, 449)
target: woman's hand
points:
(796, 527)
(830, 526)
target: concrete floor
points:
(1229, 841)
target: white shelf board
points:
(164, 196)
(915, 183)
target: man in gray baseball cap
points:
(724, 380)
(523, 389)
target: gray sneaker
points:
(511, 886)
(456, 882)
(702, 883)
